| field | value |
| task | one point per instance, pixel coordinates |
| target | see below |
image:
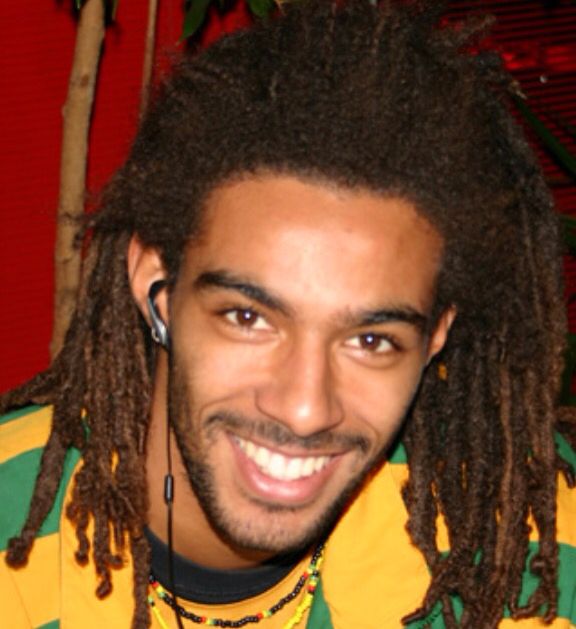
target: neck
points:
(193, 536)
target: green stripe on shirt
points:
(17, 479)
(566, 585)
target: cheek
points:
(381, 399)
(216, 371)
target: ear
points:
(440, 333)
(144, 268)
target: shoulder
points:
(32, 592)
(22, 430)
(23, 435)
(370, 552)
(370, 546)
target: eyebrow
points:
(401, 314)
(230, 281)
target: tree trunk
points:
(148, 55)
(76, 126)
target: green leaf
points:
(570, 240)
(261, 8)
(569, 231)
(568, 221)
(113, 6)
(195, 15)
(550, 141)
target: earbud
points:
(159, 330)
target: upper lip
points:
(289, 451)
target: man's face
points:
(300, 331)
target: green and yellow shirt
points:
(372, 575)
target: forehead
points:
(300, 238)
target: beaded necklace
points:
(310, 576)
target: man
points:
(312, 376)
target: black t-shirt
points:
(211, 587)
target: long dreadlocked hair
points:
(378, 98)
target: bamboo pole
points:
(76, 113)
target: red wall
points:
(37, 47)
(37, 43)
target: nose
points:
(301, 390)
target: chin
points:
(275, 528)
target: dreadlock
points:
(376, 98)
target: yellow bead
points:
(442, 371)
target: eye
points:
(372, 343)
(246, 318)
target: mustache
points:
(278, 434)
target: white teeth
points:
(261, 457)
(281, 467)
(277, 466)
(308, 467)
(294, 469)
(320, 463)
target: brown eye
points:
(246, 318)
(371, 342)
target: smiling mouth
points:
(281, 467)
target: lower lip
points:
(292, 493)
